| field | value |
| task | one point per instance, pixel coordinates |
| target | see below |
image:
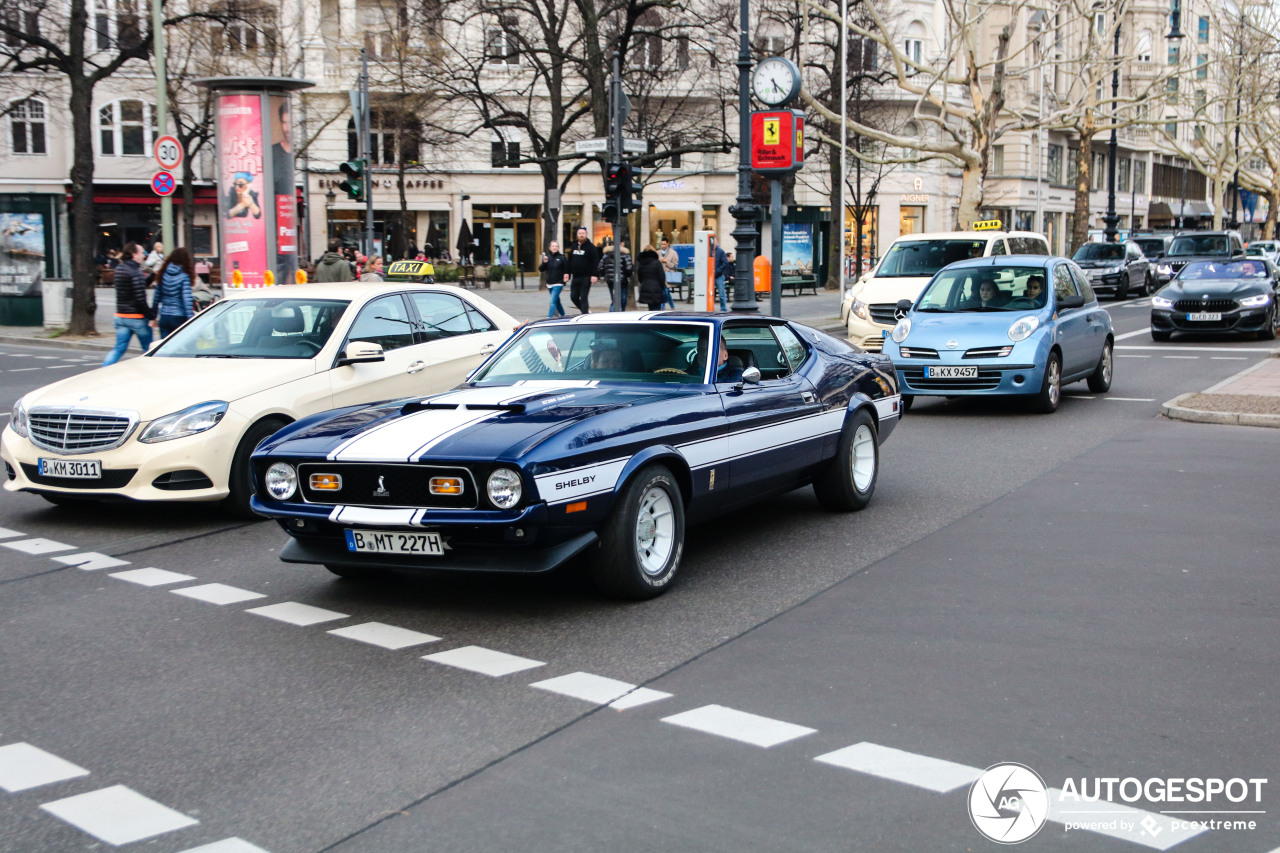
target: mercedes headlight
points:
(504, 488)
(1164, 269)
(189, 421)
(900, 331)
(860, 308)
(18, 419)
(281, 481)
(1161, 302)
(1255, 301)
(1023, 327)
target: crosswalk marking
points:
(484, 661)
(89, 561)
(738, 725)
(600, 690)
(921, 771)
(386, 636)
(227, 845)
(37, 546)
(118, 815)
(217, 593)
(151, 577)
(297, 614)
(6, 533)
(23, 766)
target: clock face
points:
(775, 81)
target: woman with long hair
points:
(173, 302)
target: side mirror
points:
(361, 352)
(904, 305)
(751, 376)
(1075, 301)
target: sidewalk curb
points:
(18, 340)
(1173, 410)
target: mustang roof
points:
(623, 317)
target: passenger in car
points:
(1035, 290)
(728, 368)
(606, 359)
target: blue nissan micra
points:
(1013, 325)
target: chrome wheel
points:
(863, 458)
(1106, 365)
(1053, 381)
(655, 531)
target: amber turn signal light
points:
(576, 507)
(446, 485)
(325, 482)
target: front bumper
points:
(867, 334)
(995, 376)
(1239, 321)
(1108, 283)
(194, 468)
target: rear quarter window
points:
(1028, 246)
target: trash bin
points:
(56, 299)
(16, 310)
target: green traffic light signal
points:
(353, 186)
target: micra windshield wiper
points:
(980, 308)
(931, 310)
(220, 355)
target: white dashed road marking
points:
(1132, 399)
(738, 725)
(1146, 330)
(46, 357)
(218, 593)
(23, 766)
(22, 369)
(297, 614)
(484, 661)
(1228, 358)
(90, 561)
(151, 577)
(6, 533)
(118, 815)
(1157, 831)
(639, 696)
(1191, 357)
(386, 636)
(1185, 348)
(37, 546)
(227, 845)
(1127, 355)
(908, 768)
(600, 690)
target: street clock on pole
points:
(775, 81)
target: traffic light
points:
(614, 176)
(610, 212)
(353, 186)
(629, 197)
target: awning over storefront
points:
(1190, 210)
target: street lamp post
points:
(1112, 219)
(329, 199)
(744, 211)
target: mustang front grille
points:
(390, 485)
(79, 430)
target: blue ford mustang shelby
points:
(1016, 324)
(603, 433)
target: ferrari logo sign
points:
(777, 140)
(772, 131)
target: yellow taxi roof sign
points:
(988, 225)
(411, 268)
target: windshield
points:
(918, 258)
(1099, 252)
(1151, 247)
(256, 328)
(615, 352)
(1209, 244)
(1200, 270)
(985, 289)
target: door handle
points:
(808, 396)
(488, 349)
(416, 367)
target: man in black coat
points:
(133, 314)
(652, 275)
(584, 259)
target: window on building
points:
(1202, 30)
(1100, 23)
(1123, 168)
(1171, 127)
(117, 24)
(386, 28)
(26, 125)
(502, 43)
(126, 128)
(997, 160)
(914, 49)
(1200, 134)
(646, 41)
(394, 136)
(23, 17)
(676, 158)
(504, 154)
(1098, 174)
(1144, 46)
(1202, 66)
(1139, 176)
(1174, 54)
(1053, 171)
(1201, 99)
(1073, 167)
(250, 28)
(682, 45)
(1171, 86)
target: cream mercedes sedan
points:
(179, 423)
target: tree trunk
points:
(1218, 202)
(84, 272)
(1084, 157)
(1273, 202)
(970, 195)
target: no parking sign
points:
(162, 183)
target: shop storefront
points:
(870, 248)
(131, 214)
(31, 240)
(508, 235)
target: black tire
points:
(1160, 336)
(1046, 402)
(1100, 379)
(1122, 290)
(643, 540)
(1269, 333)
(1150, 285)
(907, 400)
(850, 481)
(240, 480)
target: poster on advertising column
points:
(21, 253)
(242, 195)
(282, 178)
(797, 248)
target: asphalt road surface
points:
(1091, 594)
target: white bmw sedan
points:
(179, 423)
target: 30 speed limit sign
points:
(168, 152)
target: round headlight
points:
(900, 331)
(1022, 328)
(860, 308)
(281, 481)
(504, 488)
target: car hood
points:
(1100, 264)
(154, 387)
(969, 329)
(1215, 288)
(467, 423)
(890, 290)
